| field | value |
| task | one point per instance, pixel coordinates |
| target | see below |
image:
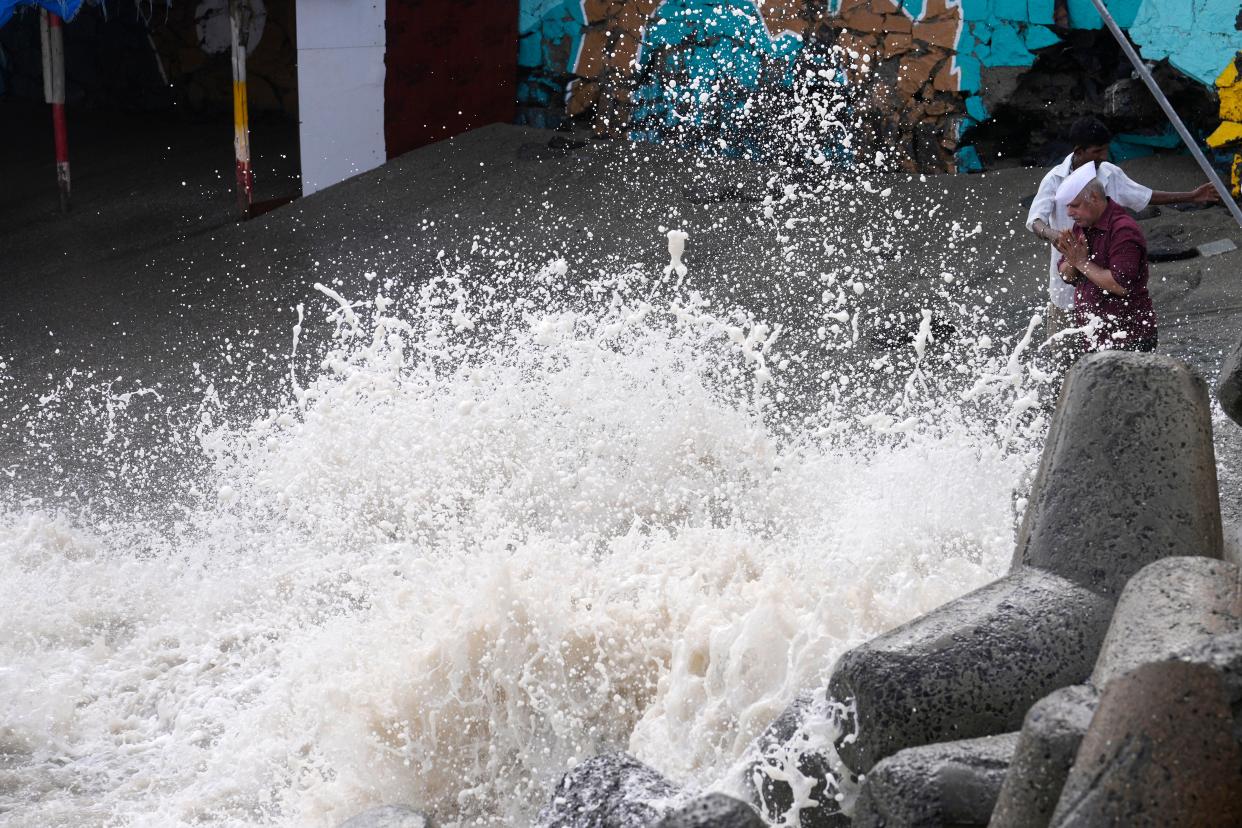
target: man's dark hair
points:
(1089, 132)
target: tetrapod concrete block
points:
(713, 811)
(614, 790)
(795, 752)
(1229, 384)
(951, 783)
(1051, 733)
(1159, 751)
(1223, 653)
(1128, 473)
(971, 667)
(1167, 606)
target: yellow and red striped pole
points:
(51, 29)
(241, 116)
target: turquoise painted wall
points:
(549, 34)
(729, 54)
(725, 47)
(1197, 36)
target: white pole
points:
(239, 28)
(1190, 142)
(51, 32)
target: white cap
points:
(1075, 182)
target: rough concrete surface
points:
(971, 667)
(613, 790)
(1167, 606)
(1229, 384)
(1128, 473)
(1223, 653)
(1159, 751)
(713, 811)
(950, 783)
(1051, 733)
(790, 731)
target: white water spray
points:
(447, 572)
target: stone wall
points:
(922, 73)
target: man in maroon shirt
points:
(1105, 258)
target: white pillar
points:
(340, 89)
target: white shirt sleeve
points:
(1045, 201)
(1124, 190)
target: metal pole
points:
(241, 117)
(1190, 142)
(52, 32)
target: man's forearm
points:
(1102, 278)
(1041, 229)
(1167, 197)
(1164, 197)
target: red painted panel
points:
(451, 66)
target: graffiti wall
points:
(915, 77)
(1227, 139)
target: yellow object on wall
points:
(1230, 90)
(1229, 133)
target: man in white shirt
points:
(1048, 219)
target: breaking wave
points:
(480, 541)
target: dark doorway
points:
(451, 67)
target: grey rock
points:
(1223, 653)
(951, 783)
(1169, 604)
(1049, 741)
(389, 816)
(1215, 248)
(713, 811)
(789, 736)
(614, 790)
(1159, 751)
(972, 667)
(1128, 473)
(1229, 384)
(1172, 607)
